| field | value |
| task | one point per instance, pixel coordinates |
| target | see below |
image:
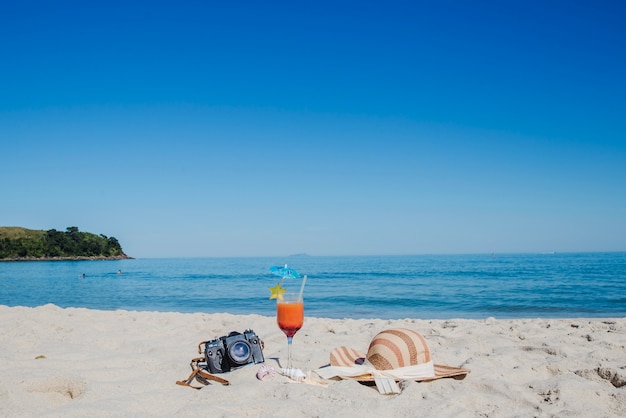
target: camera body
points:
(233, 351)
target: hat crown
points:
(395, 348)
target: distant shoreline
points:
(76, 258)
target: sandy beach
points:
(78, 362)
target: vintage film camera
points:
(233, 351)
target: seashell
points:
(294, 374)
(266, 372)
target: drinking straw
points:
(302, 288)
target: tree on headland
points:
(27, 244)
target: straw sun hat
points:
(393, 355)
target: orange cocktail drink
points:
(290, 316)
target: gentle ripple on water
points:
(429, 286)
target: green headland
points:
(22, 244)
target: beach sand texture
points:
(78, 362)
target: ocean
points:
(389, 287)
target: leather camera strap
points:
(200, 375)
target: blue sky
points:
(243, 128)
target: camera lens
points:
(240, 352)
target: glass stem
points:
(289, 339)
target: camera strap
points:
(200, 374)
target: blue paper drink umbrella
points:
(284, 272)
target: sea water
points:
(389, 287)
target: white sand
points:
(126, 363)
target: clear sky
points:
(267, 128)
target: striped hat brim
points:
(346, 357)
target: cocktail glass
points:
(290, 316)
